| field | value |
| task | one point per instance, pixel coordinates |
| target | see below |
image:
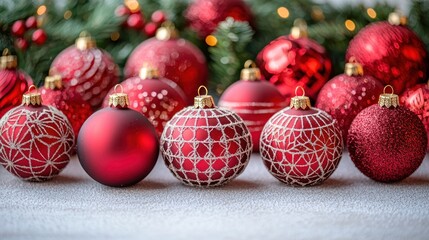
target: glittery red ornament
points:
(204, 145)
(158, 99)
(387, 142)
(204, 15)
(175, 58)
(35, 140)
(394, 54)
(301, 145)
(87, 70)
(255, 101)
(295, 60)
(417, 100)
(117, 146)
(344, 96)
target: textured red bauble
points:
(206, 146)
(387, 142)
(117, 146)
(295, 60)
(35, 140)
(158, 17)
(135, 21)
(18, 28)
(86, 70)
(39, 37)
(255, 101)
(300, 145)
(345, 95)
(175, 58)
(394, 54)
(31, 22)
(21, 44)
(417, 100)
(204, 15)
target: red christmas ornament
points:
(18, 28)
(301, 145)
(391, 52)
(175, 58)
(117, 146)
(31, 22)
(204, 15)
(158, 17)
(417, 100)
(13, 84)
(344, 96)
(35, 140)
(295, 60)
(158, 99)
(122, 10)
(21, 44)
(255, 101)
(150, 29)
(39, 37)
(87, 70)
(387, 142)
(206, 146)
(135, 21)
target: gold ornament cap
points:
(53, 82)
(299, 29)
(353, 68)
(388, 100)
(85, 41)
(203, 101)
(119, 99)
(300, 102)
(148, 72)
(8, 61)
(397, 18)
(167, 31)
(32, 98)
(250, 72)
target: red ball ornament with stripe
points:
(255, 101)
(117, 146)
(157, 98)
(387, 142)
(301, 145)
(206, 146)
(36, 141)
(86, 70)
(174, 57)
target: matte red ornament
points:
(39, 37)
(86, 70)
(204, 15)
(387, 142)
(158, 99)
(206, 146)
(175, 58)
(344, 96)
(255, 101)
(18, 28)
(392, 53)
(117, 146)
(31, 22)
(417, 100)
(35, 140)
(295, 60)
(301, 145)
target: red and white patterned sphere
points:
(301, 147)
(35, 142)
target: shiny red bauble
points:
(394, 54)
(158, 17)
(86, 70)
(175, 58)
(301, 147)
(417, 100)
(206, 146)
(31, 22)
(117, 146)
(36, 141)
(39, 37)
(204, 15)
(18, 28)
(135, 21)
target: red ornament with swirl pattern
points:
(36, 141)
(301, 145)
(295, 60)
(255, 101)
(86, 70)
(206, 146)
(387, 142)
(391, 52)
(344, 96)
(175, 58)
(417, 100)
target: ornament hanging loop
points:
(300, 102)
(119, 99)
(204, 88)
(8, 61)
(203, 101)
(302, 90)
(30, 98)
(388, 100)
(250, 72)
(116, 86)
(386, 87)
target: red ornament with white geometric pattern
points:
(86, 70)
(301, 145)
(255, 101)
(36, 141)
(158, 99)
(206, 146)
